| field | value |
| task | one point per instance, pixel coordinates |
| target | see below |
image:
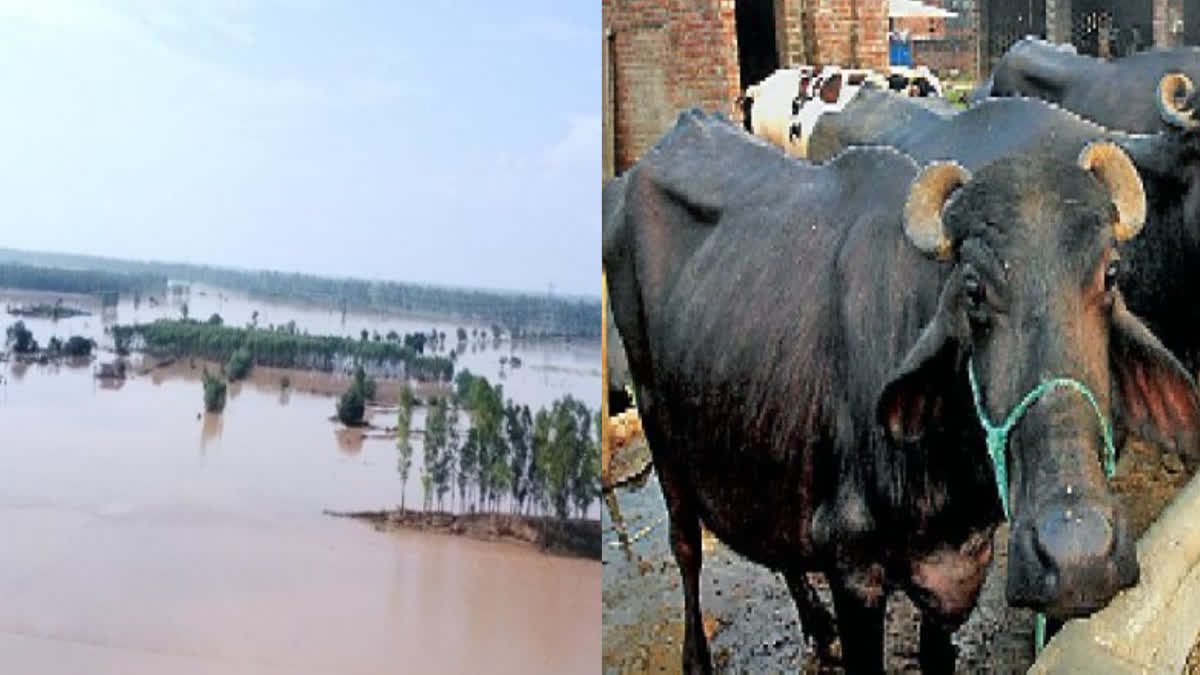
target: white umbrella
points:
(909, 8)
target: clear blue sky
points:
(444, 142)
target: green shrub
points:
(351, 407)
(214, 393)
(239, 365)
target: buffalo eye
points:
(1110, 275)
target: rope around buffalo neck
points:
(997, 443)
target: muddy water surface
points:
(144, 537)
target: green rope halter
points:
(997, 443)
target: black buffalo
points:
(1118, 94)
(800, 337)
(1159, 270)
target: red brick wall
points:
(848, 32)
(668, 55)
(919, 27)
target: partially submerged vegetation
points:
(22, 342)
(547, 463)
(214, 393)
(282, 347)
(521, 314)
(46, 311)
(353, 404)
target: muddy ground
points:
(748, 612)
(572, 537)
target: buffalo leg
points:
(937, 652)
(860, 626)
(685, 543)
(815, 620)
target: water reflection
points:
(350, 441)
(285, 395)
(211, 428)
(18, 369)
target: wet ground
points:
(749, 614)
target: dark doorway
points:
(1009, 21)
(1111, 28)
(757, 55)
(1191, 22)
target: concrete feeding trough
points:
(1152, 627)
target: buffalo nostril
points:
(1074, 535)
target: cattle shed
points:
(661, 56)
(1104, 28)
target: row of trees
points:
(279, 347)
(60, 280)
(547, 462)
(523, 314)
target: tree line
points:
(59, 280)
(522, 314)
(546, 462)
(280, 346)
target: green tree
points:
(215, 320)
(536, 482)
(214, 392)
(462, 334)
(239, 365)
(183, 309)
(403, 442)
(448, 459)
(518, 443)
(435, 441)
(54, 345)
(468, 455)
(21, 338)
(77, 345)
(365, 385)
(351, 407)
(585, 481)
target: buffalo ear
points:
(1156, 397)
(918, 394)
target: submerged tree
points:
(351, 407)
(435, 441)
(77, 345)
(21, 338)
(239, 365)
(214, 392)
(403, 442)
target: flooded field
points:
(153, 538)
(549, 369)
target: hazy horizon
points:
(591, 294)
(443, 145)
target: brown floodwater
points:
(146, 537)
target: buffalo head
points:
(1031, 246)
